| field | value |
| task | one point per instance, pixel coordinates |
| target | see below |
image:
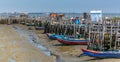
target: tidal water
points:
(33, 38)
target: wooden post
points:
(111, 34)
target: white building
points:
(96, 16)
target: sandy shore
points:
(66, 53)
(17, 48)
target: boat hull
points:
(102, 54)
(73, 42)
(54, 37)
(39, 28)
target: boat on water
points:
(54, 36)
(72, 41)
(39, 28)
(102, 54)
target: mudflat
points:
(17, 48)
(66, 53)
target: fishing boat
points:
(105, 45)
(54, 36)
(102, 54)
(70, 41)
(39, 28)
(28, 24)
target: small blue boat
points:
(102, 54)
(54, 36)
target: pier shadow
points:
(60, 45)
(65, 45)
(81, 55)
(95, 59)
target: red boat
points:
(86, 50)
(70, 41)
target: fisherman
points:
(77, 21)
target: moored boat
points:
(106, 41)
(71, 41)
(54, 36)
(29, 24)
(39, 28)
(102, 54)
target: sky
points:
(76, 6)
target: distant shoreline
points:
(35, 14)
